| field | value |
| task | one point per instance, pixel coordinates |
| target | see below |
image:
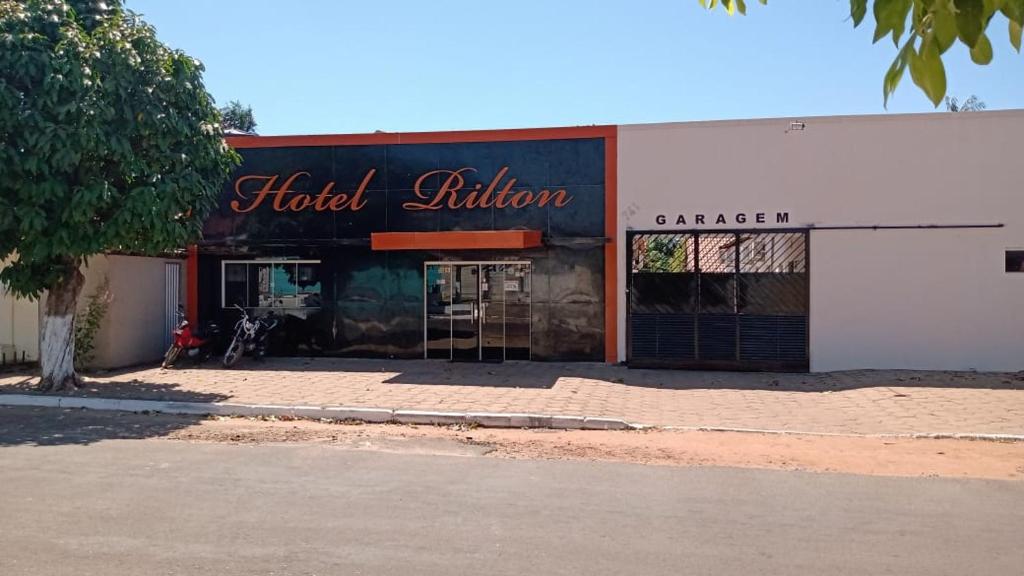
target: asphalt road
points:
(90, 506)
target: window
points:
(727, 255)
(1015, 260)
(271, 283)
(753, 252)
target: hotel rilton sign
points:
(276, 192)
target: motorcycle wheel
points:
(203, 356)
(171, 356)
(233, 353)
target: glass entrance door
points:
(465, 312)
(477, 311)
(517, 294)
(437, 325)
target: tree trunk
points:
(57, 354)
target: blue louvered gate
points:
(732, 300)
(172, 300)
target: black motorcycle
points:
(250, 337)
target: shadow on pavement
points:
(513, 374)
(28, 426)
(544, 375)
(192, 384)
(822, 382)
(99, 386)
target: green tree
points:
(238, 117)
(108, 141)
(971, 104)
(665, 254)
(922, 31)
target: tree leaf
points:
(1014, 10)
(928, 72)
(970, 20)
(982, 51)
(858, 8)
(891, 17)
(731, 6)
(895, 72)
(1015, 33)
(943, 26)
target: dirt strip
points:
(839, 454)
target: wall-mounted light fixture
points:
(796, 126)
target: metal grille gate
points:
(172, 299)
(730, 300)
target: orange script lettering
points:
(284, 199)
(454, 194)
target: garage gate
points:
(734, 300)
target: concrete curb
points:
(386, 415)
(371, 415)
(911, 435)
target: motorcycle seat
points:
(207, 330)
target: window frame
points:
(267, 261)
(1006, 261)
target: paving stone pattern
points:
(859, 402)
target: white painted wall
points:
(935, 299)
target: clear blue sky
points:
(336, 66)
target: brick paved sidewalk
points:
(861, 402)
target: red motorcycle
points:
(197, 344)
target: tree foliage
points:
(922, 31)
(663, 254)
(238, 117)
(971, 104)
(108, 140)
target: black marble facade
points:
(373, 301)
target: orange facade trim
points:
(192, 281)
(611, 229)
(456, 240)
(422, 137)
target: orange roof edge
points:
(456, 240)
(501, 135)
